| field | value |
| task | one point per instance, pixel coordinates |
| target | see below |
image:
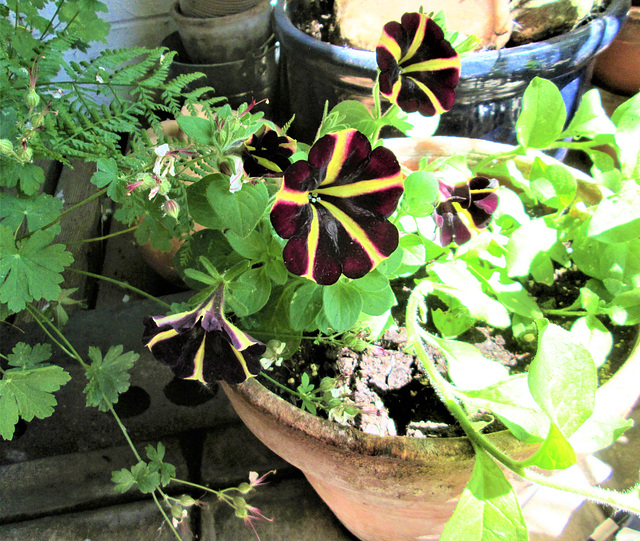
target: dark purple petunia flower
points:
(202, 344)
(333, 208)
(267, 153)
(419, 69)
(464, 209)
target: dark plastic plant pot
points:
(490, 92)
(254, 77)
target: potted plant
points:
(81, 111)
(313, 247)
(492, 81)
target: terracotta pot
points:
(392, 488)
(162, 262)
(224, 39)
(215, 8)
(618, 67)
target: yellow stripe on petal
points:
(390, 45)
(363, 187)
(435, 64)
(341, 146)
(434, 100)
(356, 233)
(198, 362)
(312, 243)
(242, 363)
(417, 39)
(170, 333)
(292, 196)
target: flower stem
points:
(123, 285)
(279, 385)
(104, 237)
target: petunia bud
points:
(32, 99)
(6, 147)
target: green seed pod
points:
(26, 154)
(244, 488)
(32, 99)
(6, 147)
(176, 512)
(186, 500)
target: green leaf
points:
(590, 119)
(527, 242)
(488, 509)
(553, 185)
(512, 295)
(543, 114)
(239, 211)
(106, 175)
(197, 128)
(617, 218)
(143, 476)
(377, 294)
(27, 390)
(356, 115)
(31, 269)
(305, 306)
(108, 376)
(156, 456)
(342, 304)
(38, 211)
(628, 136)
(199, 206)
(468, 369)
(511, 401)
(31, 177)
(252, 246)
(555, 453)
(420, 194)
(251, 290)
(591, 333)
(624, 309)
(562, 377)
(452, 322)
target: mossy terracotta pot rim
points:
(385, 488)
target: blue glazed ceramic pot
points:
(491, 87)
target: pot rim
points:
(347, 438)
(586, 41)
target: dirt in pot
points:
(389, 386)
(533, 22)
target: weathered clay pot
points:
(215, 8)
(618, 67)
(210, 40)
(393, 488)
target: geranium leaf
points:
(108, 376)
(38, 211)
(27, 390)
(31, 269)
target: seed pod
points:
(32, 99)
(6, 147)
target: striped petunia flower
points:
(267, 153)
(419, 69)
(202, 344)
(333, 208)
(465, 209)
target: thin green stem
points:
(442, 386)
(123, 285)
(496, 158)
(47, 327)
(279, 385)
(75, 207)
(123, 429)
(166, 517)
(195, 485)
(568, 313)
(45, 33)
(104, 237)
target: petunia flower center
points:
(314, 197)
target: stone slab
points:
(297, 513)
(159, 406)
(139, 521)
(66, 483)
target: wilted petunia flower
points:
(202, 344)
(465, 209)
(267, 153)
(419, 69)
(334, 207)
